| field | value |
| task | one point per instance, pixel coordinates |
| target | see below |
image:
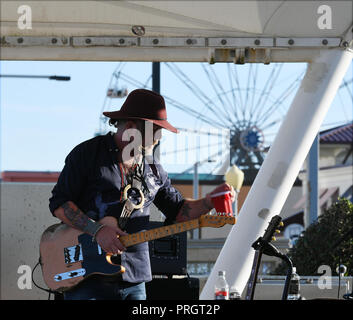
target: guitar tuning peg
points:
(281, 224)
(274, 239)
(278, 231)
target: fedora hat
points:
(144, 105)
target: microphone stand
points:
(348, 296)
(265, 247)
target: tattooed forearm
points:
(192, 209)
(78, 219)
(206, 205)
(185, 210)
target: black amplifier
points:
(168, 254)
(185, 288)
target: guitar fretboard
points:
(144, 236)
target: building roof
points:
(339, 135)
(29, 176)
(176, 178)
(211, 179)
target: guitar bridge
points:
(73, 254)
(69, 275)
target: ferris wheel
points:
(250, 101)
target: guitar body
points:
(68, 256)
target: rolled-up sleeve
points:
(169, 200)
(70, 182)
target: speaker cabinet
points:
(186, 288)
(168, 254)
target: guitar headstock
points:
(216, 221)
(273, 227)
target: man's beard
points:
(148, 150)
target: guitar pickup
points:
(73, 254)
(70, 274)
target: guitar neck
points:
(149, 235)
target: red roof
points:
(29, 176)
(341, 135)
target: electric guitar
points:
(68, 256)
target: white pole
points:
(281, 166)
(195, 233)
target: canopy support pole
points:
(281, 166)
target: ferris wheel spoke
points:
(345, 84)
(214, 80)
(264, 93)
(235, 101)
(271, 124)
(188, 149)
(252, 106)
(208, 159)
(259, 157)
(221, 167)
(147, 81)
(274, 106)
(280, 100)
(190, 111)
(248, 87)
(241, 157)
(132, 81)
(264, 99)
(254, 87)
(210, 133)
(195, 90)
(242, 107)
(342, 105)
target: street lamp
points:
(235, 177)
(196, 233)
(57, 78)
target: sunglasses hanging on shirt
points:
(134, 192)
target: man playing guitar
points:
(102, 173)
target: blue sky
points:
(42, 120)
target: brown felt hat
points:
(144, 105)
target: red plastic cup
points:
(222, 202)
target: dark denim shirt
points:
(91, 179)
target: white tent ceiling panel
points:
(184, 18)
(206, 21)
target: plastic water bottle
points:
(294, 286)
(221, 287)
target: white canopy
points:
(174, 30)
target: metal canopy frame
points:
(176, 49)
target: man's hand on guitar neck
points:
(107, 236)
